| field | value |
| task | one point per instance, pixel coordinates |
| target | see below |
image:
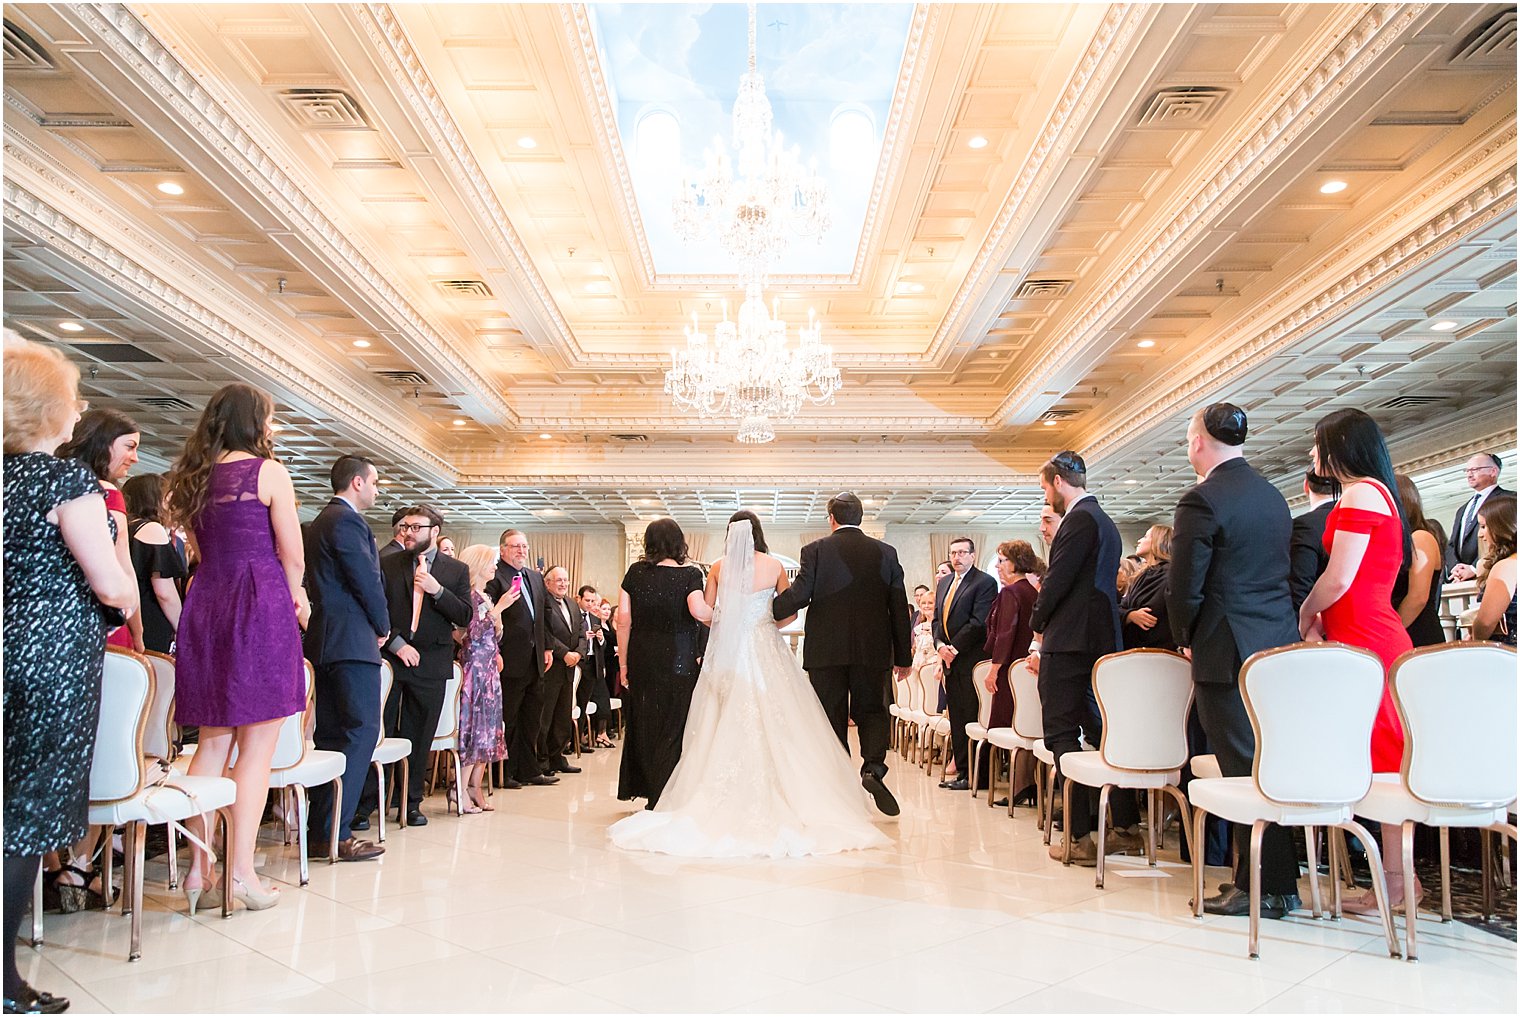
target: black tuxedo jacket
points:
(1307, 552)
(565, 638)
(1466, 551)
(348, 604)
(394, 547)
(1078, 607)
(859, 608)
(1228, 589)
(441, 614)
(522, 641)
(967, 631)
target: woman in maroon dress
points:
(1008, 636)
(1368, 541)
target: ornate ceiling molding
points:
(1502, 439)
(100, 257)
(1305, 315)
(214, 119)
(813, 423)
(709, 481)
(1352, 56)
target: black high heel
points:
(29, 1000)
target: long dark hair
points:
(1414, 509)
(1498, 515)
(754, 527)
(1351, 444)
(663, 539)
(93, 437)
(145, 497)
(235, 420)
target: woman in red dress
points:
(1368, 540)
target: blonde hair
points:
(481, 561)
(1128, 570)
(41, 394)
(1161, 542)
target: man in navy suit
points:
(962, 605)
(1077, 616)
(349, 619)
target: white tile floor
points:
(529, 909)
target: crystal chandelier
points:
(747, 370)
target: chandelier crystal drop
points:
(747, 370)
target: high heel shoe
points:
(253, 901)
(1366, 903)
(200, 898)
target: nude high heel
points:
(253, 901)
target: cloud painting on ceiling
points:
(829, 70)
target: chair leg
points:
(1486, 871)
(226, 817)
(37, 910)
(138, 834)
(108, 862)
(1050, 801)
(1066, 824)
(1379, 882)
(173, 856)
(1411, 906)
(1152, 815)
(1334, 845)
(1311, 847)
(126, 871)
(1199, 818)
(332, 833)
(1102, 834)
(1184, 820)
(1445, 875)
(975, 757)
(402, 790)
(1253, 941)
(300, 834)
(384, 801)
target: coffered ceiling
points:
(1085, 221)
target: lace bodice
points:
(754, 610)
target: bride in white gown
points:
(762, 773)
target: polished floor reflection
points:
(528, 909)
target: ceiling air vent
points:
(166, 403)
(116, 353)
(465, 287)
(1405, 402)
(408, 378)
(1042, 289)
(632, 439)
(1492, 42)
(23, 53)
(1183, 106)
(1057, 414)
(324, 108)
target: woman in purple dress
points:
(482, 740)
(239, 671)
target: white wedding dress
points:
(761, 773)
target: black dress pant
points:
(1069, 712)
(961, 698)
(412, 712)
(1227, 726)
(860, 693)
(522, 708)
(555, 722)
(348, 721)
(593, 689)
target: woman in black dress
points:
(1417, 590)
(1142, 609)
(155, 560)
(60, 568)
(660, 627)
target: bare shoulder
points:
(1367, 495)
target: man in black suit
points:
(396, 545)
(856, 632)
(592, 688)
(1228, 597)
(523, 658)
(1462, 551)
(565, 636)
(1077, 617)
(349, 621)
(962, 604)
(434, 590)
(1307, 548)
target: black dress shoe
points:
(567, 768)
(359, 823)
(1236, 903)
(959, 784)
(29, 1000)
(542, 780)
(416, 818)
(885, 803)
(512, 784)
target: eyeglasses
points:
(1479, 469)
(1068, 461)
(967, 554)
(414, 527)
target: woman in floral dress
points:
(482, 740)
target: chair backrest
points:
(928, 687)
(1457, 703)
(915, 692)
(448, 720)
(387, 679)
(979, 675)
(899, 691)
(1144, 696)
(159, 737)
(290, 747)
(1312, 706)
(126, 695)
(1028, 718)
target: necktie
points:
(417, 596)
(955, 584)
(527, 593)
(1470, 515)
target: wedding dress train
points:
(761, 773)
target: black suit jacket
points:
(967, 631)
(563, 638)
(1466, 551)
(348, 604)
(859, 608)
(394, 547)
(1228, 587)
(1307, 552)
(441, 614)
(1078, 607)
(522, 630)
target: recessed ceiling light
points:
(867, 501)
(599, 286)
(1146, 344)
(71, 326)
(546, 436)
(1132, 482)
(362, 344)
(916, 287)
(1332, 187)
(527, 141)
(1443, 326)
(977, 141)
(460, 421)
(1049, 423)
(170, 187)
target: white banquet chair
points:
(389, 752)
